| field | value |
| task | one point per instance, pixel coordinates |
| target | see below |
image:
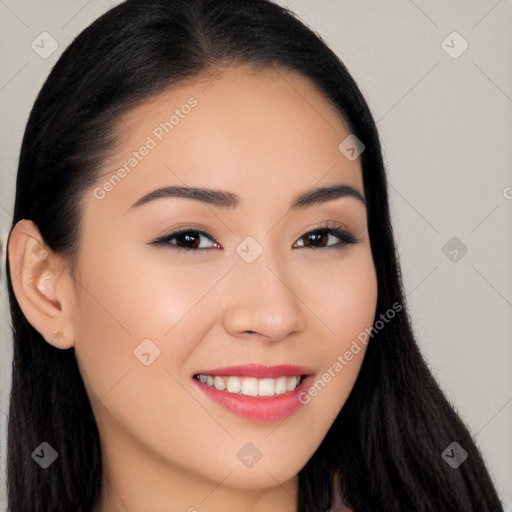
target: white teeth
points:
(266, 387)
(251, 386)
(291, 383)
(218, 382)
(280, 385)
(234, 385)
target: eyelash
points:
(330, 228)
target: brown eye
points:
(186, 239)
(319, 238)
(316, 238)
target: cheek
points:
(124, 311)
(352, 313)
(343, 300)
(346, 312)
(126, 308)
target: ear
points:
(42, 284)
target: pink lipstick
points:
(256, 392)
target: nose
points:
(260, 300)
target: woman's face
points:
(260, 283)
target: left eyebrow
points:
(225, 199)
(323, 194)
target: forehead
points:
(256, 129)
(243, 86)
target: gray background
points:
(445, 123)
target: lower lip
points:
(271, 408)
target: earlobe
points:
(37, 275)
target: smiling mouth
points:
(252, 386)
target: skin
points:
(266, 135)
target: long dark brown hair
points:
(387, 442)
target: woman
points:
(273, 368)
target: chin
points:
(258, 479)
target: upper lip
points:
(259, 370)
